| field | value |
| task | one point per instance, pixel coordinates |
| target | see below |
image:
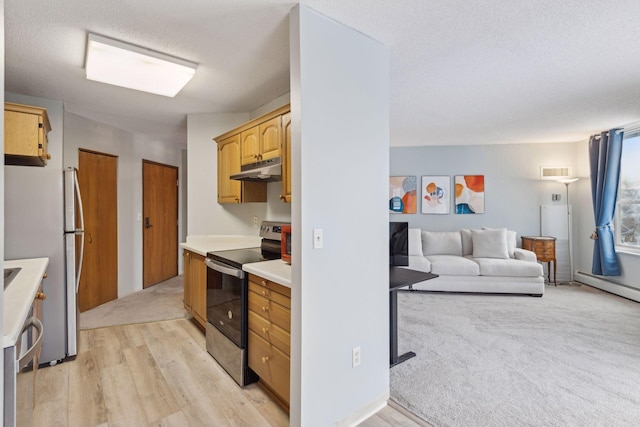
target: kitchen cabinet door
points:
(250, 144)
(270, 138)
(285, 196)
(229, 164)
(187, 280)
(199, 289)
(25, 135)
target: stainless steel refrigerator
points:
(42, 220)
(74, 248)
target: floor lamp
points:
(566, 183)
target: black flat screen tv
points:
(398, 243)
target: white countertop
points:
(203, 244)
(275, 270)
(19, 295)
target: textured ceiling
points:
(462, 72)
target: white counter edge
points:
(19, 295)
(277, 271)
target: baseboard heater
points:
(608, 285)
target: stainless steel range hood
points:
(263, 171)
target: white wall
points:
(205, 215)
(131, 149)
(513, 189)
(340, 151)
(270, 106)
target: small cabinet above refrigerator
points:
(25, 135)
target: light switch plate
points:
(318, 240)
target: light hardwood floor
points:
(151, 374)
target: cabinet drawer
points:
(270, 332)
(271, 365)
(269, 284)
(273, 312)
(271, 292)
(541, 246)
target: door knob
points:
(146, 222)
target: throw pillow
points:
(441, 243)
(490, 243)
(511, 240)
(415, 242)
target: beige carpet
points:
(158, 302)
(570, 358)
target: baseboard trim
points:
(404, 411)
(608, 286)
(365, 412)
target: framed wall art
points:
(469, 194)
(436, 194)
(403, 194)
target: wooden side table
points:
(545, 249)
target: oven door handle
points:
(217, 266)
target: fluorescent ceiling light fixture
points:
(121, 64)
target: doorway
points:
(98, 181)
(160, 222)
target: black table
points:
(399, 278)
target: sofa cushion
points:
(490, 243)
(453, 265)
(415, 242)
(511, 240)
(467, 242)
(441, 243)
(419, 263)
(508, 267)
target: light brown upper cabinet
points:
(263, 138)
(230, 190)
(250, 145)
(286, 158)
(261, 142)
(25, 135)
(270, 138)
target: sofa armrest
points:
(525, 255)
(419, 263)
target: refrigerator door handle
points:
(80, 231)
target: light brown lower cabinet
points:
(270, 335)
(195, 286)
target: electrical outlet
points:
(355, 357)
(255, 221)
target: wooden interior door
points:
(98, 180)
(159, 222)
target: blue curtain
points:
(605, 151)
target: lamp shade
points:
(567, 180)
(121, 64)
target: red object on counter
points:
(285, 244)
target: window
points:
(627, 217)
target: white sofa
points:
(485, 261)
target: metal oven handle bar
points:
(224, 269)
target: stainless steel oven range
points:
(227, 291)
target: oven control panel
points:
(272, 230)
